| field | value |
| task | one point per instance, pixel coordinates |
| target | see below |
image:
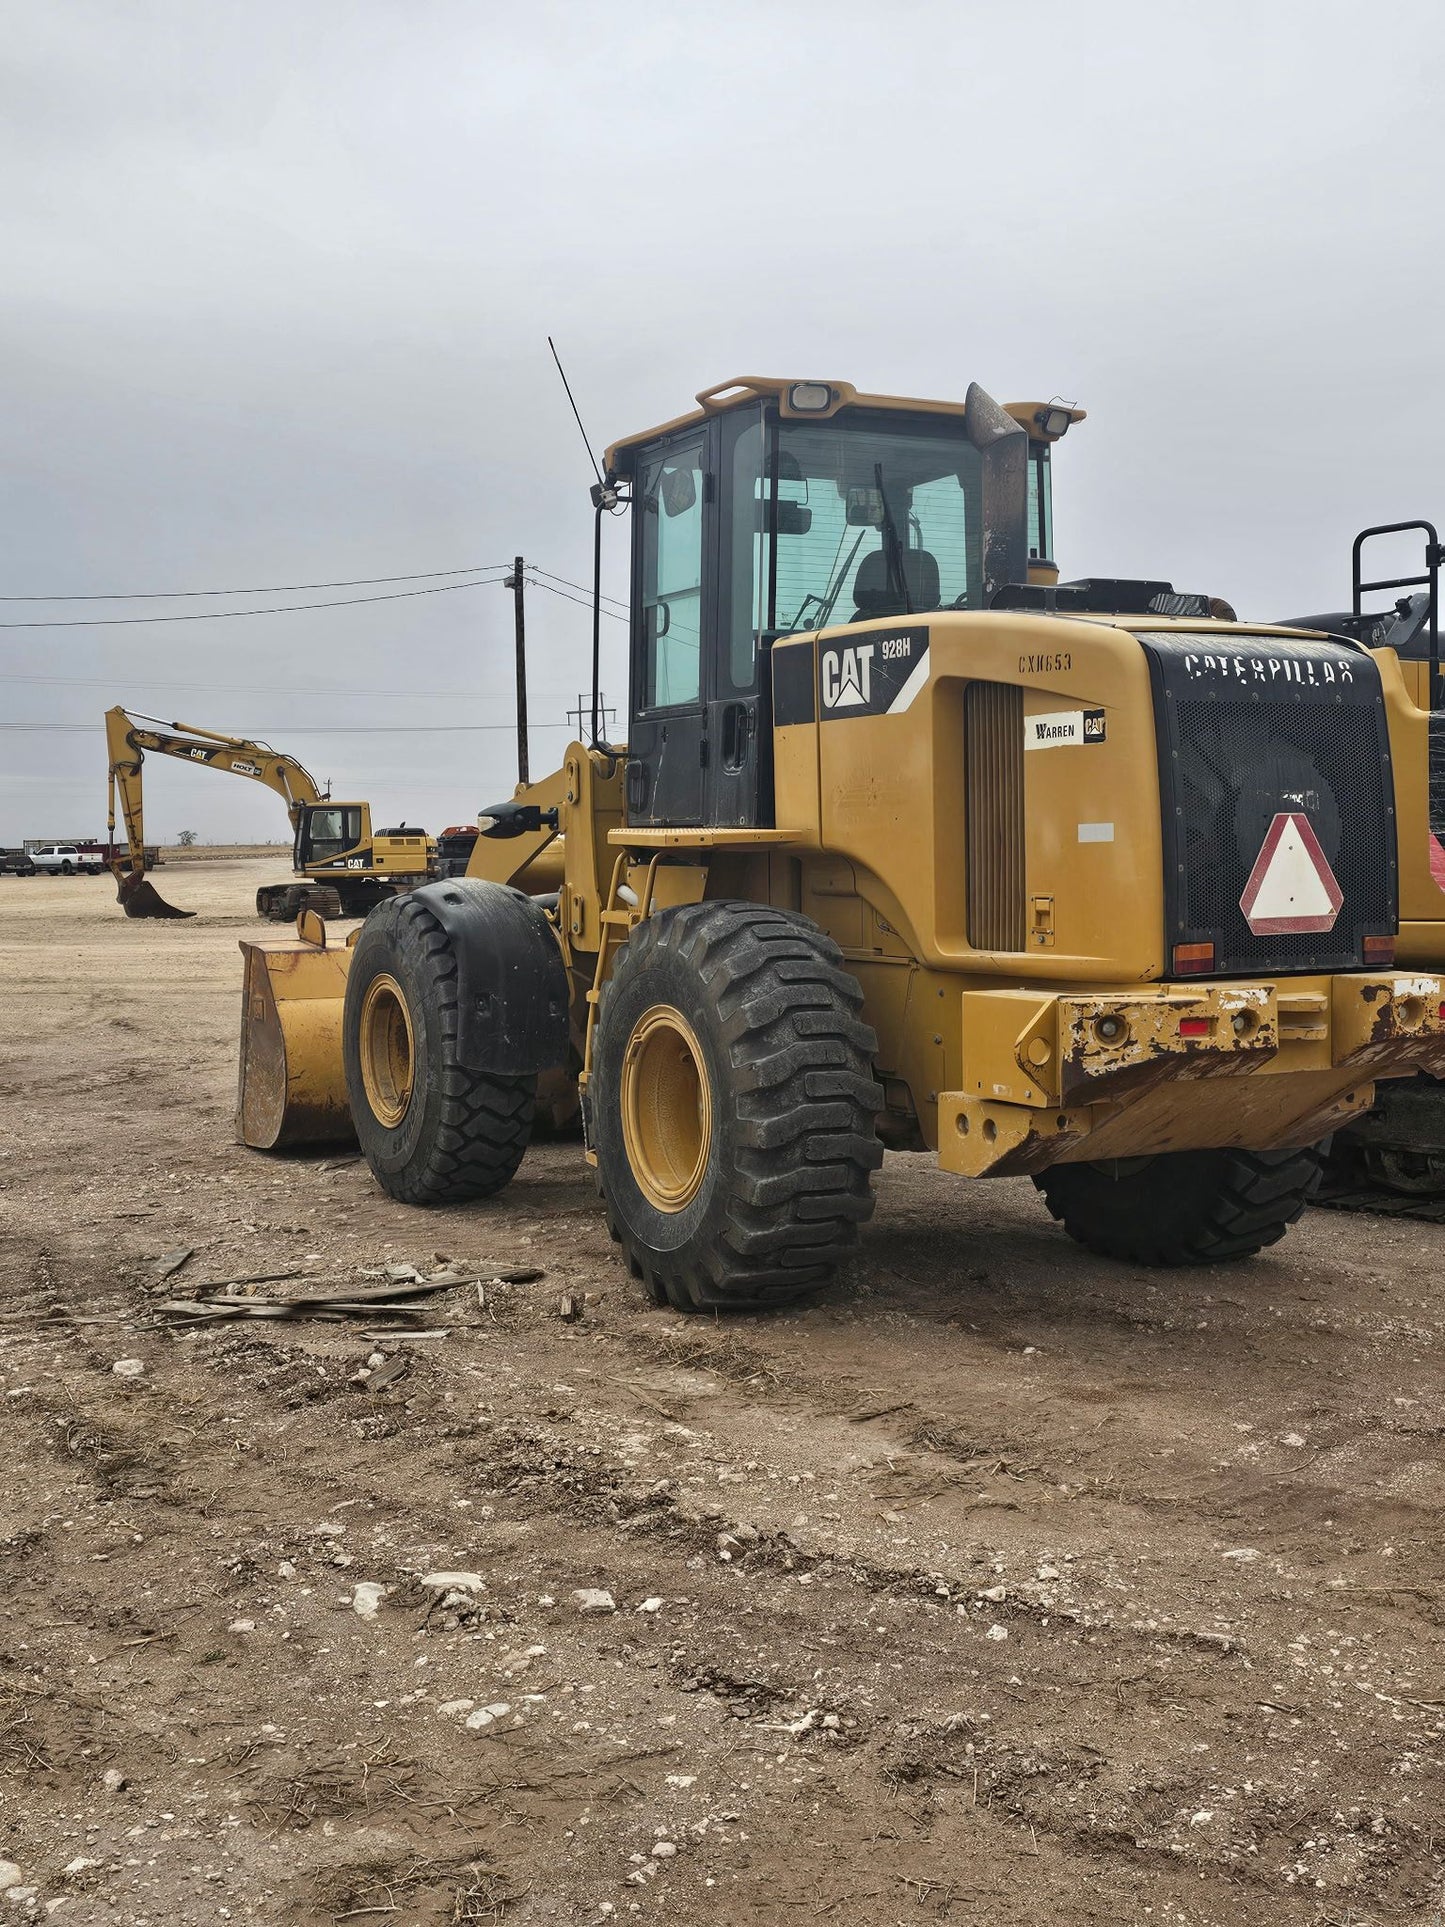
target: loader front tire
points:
(732, 1105)
(1183, 1207)
(432, 1131)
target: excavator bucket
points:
(293, 1084)
(139, 897)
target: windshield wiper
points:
(892, 547)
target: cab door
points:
(672, 551)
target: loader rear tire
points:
(732, 1105)
(1183, 1207)
(432, 1131)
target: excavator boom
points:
(129, 738)
(345, 869)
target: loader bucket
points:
(293, 1083)
(139, 897)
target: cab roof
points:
(742, 389)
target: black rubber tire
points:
(464, 1132)
(1184, 1207)
(67, 869)
(789, 1065)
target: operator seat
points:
(876, 593)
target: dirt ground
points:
(1001, 1585)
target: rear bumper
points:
(1098, 1073)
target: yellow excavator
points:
(911, 845)
(343, 869)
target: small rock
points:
(366, 1597)
(1243, 1555)
(486, 1716)
(128, 1367)
(285, 1570)
(242, 1626)
(592, 1600)
(79, 1865)
(650, 1606)
(454, 1709)
(1202, 1818)
(663, 1849)
(570, 1307)
(328, 1529)
(453, 1581)
(10, 1875)
(997, 1632)
(1049, 1572)
(995, 1593)
(1291, 1438)
(112, 1780)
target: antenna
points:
(605, 500)
(586, 443)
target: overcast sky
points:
(278, 279)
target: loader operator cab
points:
(785, 507)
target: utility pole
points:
(583, 713)
(514, 582)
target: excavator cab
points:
(326, 832)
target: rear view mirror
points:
(865, 507)
(678, 490)
(794, 519)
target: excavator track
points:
(1364, 1196)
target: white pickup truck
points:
(64, 859)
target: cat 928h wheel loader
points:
(910, 845)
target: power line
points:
(536, 584)
(332, 693)
(581, 588)
(316, 729)
(227, 615)
(269, 588)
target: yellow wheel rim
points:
(666, 1108)
(388, 1055)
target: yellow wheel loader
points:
(911, 845)
(1397, 1148)
(343, 870)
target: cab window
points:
(671, 504)
(331, 831)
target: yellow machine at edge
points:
(344, 869)
(911, 845)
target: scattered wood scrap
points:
(402, 1295)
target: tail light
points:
(1191, 959)
(1379, 950)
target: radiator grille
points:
(1249, 729)
(993, 749)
